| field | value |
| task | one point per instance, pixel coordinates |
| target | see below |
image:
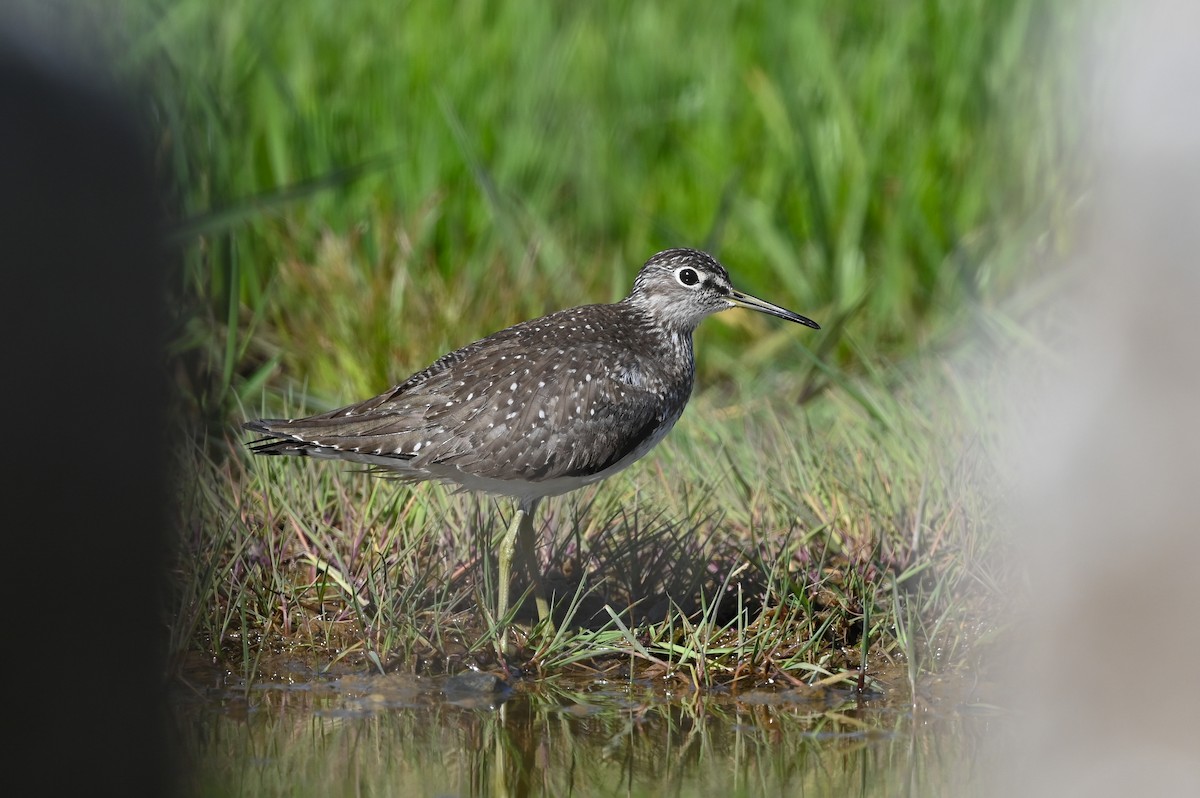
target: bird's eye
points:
(687, 276)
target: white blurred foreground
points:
(1106, 664)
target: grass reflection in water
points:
(406, 735)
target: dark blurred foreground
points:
(83, 404)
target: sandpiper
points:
(540, 408)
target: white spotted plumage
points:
(542, 407)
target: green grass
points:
(356, 188)
(360, 187)
(760, 541)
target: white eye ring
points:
(687, 277)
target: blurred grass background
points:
(355, 188)
(358, 187)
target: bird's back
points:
(534, 410)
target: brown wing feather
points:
(557, 396)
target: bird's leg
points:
(520, 537)
(525, 540)
(505, 555)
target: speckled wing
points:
(560, 396)
(550, 420)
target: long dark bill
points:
(754, 303)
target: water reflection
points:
(404, 735)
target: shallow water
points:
(430, 736)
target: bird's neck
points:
(659, 312)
